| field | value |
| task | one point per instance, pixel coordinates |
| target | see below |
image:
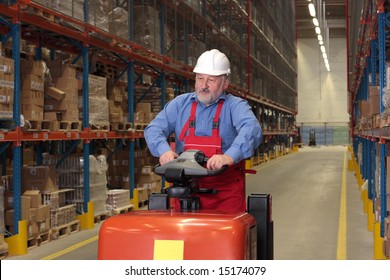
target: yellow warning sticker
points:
(168, 250)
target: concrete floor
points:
(306, 188)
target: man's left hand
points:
(218, 161)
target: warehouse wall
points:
(322, 95)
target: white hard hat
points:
(213, 63)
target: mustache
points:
(203, 90)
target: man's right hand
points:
(167, 157)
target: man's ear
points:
(226, 84)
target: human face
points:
(208, 88)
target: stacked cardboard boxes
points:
(32, 210)
(152, 95)
(39, 220)
(6, 87)
(143, 112)
(32, 89)
(61, 94)
(119, 170)
(149, 182)
(115, 96)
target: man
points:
(219, 124)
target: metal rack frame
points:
(84, 38)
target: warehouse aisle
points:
(306, 188)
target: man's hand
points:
(167, 157)
(217, 161)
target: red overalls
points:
(230, 185)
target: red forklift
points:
(161, 232)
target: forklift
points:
(189, 233)
(312, 137)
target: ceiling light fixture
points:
(312, 10)
(320, 26)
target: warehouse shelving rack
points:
(267, 79)
(370, 143)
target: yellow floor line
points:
(342, 234)
(71, 248)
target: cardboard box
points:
(50, 116)
(386, 247)
(59, 69)
(387, 227)
(41, 178)
(32, 97)
(143, 107)
(33, 230)
(44, 226)
(364, 108)
(66, 84)
(33, 215)
(35, 67)
(55, 93)
(374, 104)
(32, 82)
(25, 211)
(36, 199)
(32, 112)
(43, 213)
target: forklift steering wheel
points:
(185, 167)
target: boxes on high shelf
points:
(97, 86)
(115, 111)
(32, 82)
(374, 100)
(58, 69)
(6, 65)
(32, 112)
(32, 95)
(42, 177)
(33, 67)
(364, 107)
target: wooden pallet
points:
(143, 203)
(122, 210)
(65, 230)
(70, 126)
(43, 14)
(50, 125)
(140, 126)
(32, 242)
(101, 217)
(120, 126)
(3, 254)
(99, 127)
(32, 125)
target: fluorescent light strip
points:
(312, 11)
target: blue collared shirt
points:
(239, 129)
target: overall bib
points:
(230, 185)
